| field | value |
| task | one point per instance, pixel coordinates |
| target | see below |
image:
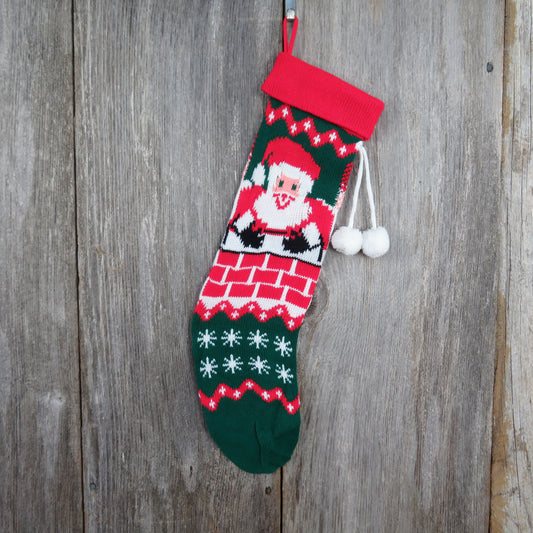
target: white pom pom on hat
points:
(348, 240)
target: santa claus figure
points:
(281, 219)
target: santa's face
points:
(285, 190)
(284, 204)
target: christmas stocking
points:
(246, 323)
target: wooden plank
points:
(397, 357)
(40, 462)
(168, 102)
(512, 481)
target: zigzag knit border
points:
(225, 391)
(307, 125)
(252, 307)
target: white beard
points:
(268, 213)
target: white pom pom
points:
(347, 240)
(376, 242)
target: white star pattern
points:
(259, 339)
(222, 390)
(266, 396)
(251, 307)
(283, 346)
(263, 316)
(342, 150)
(332, 136)
(235, 314)
(316, 139)
(280, 310)
(232, 364)
(290, 407)
(285, 112)
(293, 129)
(237, 394)
(250, 384)
(208, 367)
(307, 125)
(207, 315)
(212, 404)
(259, 364)
(290, 323)
(271, 116)
(206, 339)
(284, 373)
(231, 337)
(278, 393)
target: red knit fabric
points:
(316, 91)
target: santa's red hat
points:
(283, 150)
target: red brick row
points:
(274, 263)
(297, 298)
(269, 291)
(214, 289)
(217, 273)
(240, 275)
(307, 271)
(295, 282)
(279, 263)
(241, 290)
(253, 260)
(265, 276)
(227, 258)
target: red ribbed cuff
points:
(316, 91)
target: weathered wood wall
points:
(512, 474)
(124, 128)
(40, 451)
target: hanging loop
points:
(287, 46)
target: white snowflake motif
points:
(294, 128)
(307, 125)
(285, 112)
(259, 339)
(271, 116)
(231, 337)
(259, 364)
(284, 373)
(342, 150)
(232, 364)
(283, 347)
(208, 367)
(316, 139)
(206, 339)
(332, 136)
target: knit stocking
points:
(245, 325)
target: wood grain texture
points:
(396, 361)
(512, 481)
(168, 103)
(396, 356)
(40, 463)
